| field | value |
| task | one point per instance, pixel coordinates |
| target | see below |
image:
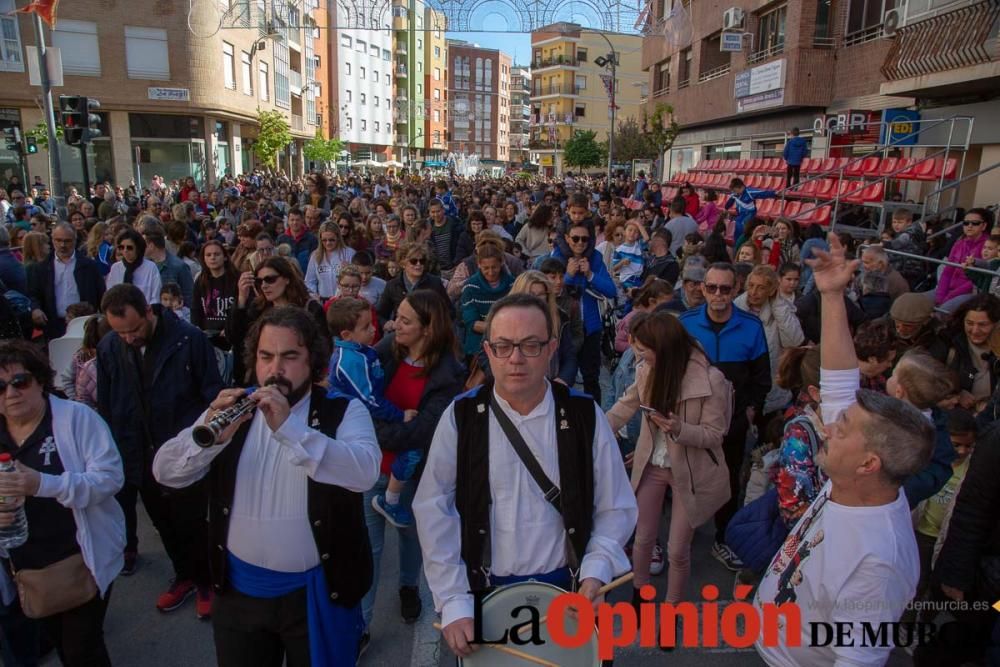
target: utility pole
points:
(612, 61)
(55, 164)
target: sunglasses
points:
(270, 280)
(19, 381)
(724, 290)
(973, 223)
(579, 239)
(123, 246)
(417, 261)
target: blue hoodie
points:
(796, 150)
(356, 372)
(600, 280)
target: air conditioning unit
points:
(732, 18)
(894, 20)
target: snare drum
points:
(497, 608)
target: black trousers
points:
(792, 174)
(589, 359)
(259, 632)
(179, 516)
(78, 634)
(733, 446)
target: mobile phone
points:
(647, 409)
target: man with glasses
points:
(954, 287)
(64, 278)
(572, 532)
(735, 343)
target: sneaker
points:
(727, 557)
(128, 569)
(363, 643)
(175, 596)
(409, 603)
(656, 561)
(203, 603)
(745, 577)
(398, 515)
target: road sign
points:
(53, 56)
(731, 41)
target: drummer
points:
(483, 518)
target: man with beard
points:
(289, 547)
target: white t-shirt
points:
(842, 564)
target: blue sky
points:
(515, 44)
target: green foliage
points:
(41, 135)
(631, 143)
(274, 135)
(319, 149)
(663, 129)
(583, 151)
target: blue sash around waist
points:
(560, 578)
(334, 631)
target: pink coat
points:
(953, 280)
(701, 477)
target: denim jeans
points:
(410, 559)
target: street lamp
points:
(610, 62)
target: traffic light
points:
(79, 124)
(12, 136)
(32, 145)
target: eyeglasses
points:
(529, 348)
(124, 246)
(973, 223)
(724, 290)
(417, 261)
(579, 239)
(269, 279)
(18, 381)
(349, 288)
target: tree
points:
(582, 150)
(631, 143)
(662, 129)
(41, 134)
(274, 135)
(319, 149)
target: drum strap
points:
(549, 489)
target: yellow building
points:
(568, 93)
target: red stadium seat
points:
(742, 166)
(864, 167)
(791, 209)
(888, 166)
(825, 188)
(869, 193)
(815, 215)
(810, 165)
(774, 165)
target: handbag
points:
(55, 588)
(756, 532)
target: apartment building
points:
(479, 90)
(837, 71)
(410, 27)
(436, 95)
(174, 102)
(570, 93)
(520, 114)
(364, 81)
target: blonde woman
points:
(326, 260)
(563, 365)
(35, 248)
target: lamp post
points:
(610, 62)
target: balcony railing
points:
(555, 61)
(955, 39)
(660, 92)
(541, 145)
(714, 73)
(684, 83)
(764, 54)
(400, 70)
(297, 122)
(864, 36)
(557, 89)
(824, 42)
(401, 48)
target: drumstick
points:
(600, 591)
(513, 651)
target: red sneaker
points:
(203, 603)
(175, 596)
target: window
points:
(360, 46)
(388, 80)
(580, 111)
(661, 84)
(386, 55)
(373, 50)
(364, 125)
(420, 89)
(348, 96)
(263, 83)
(375, 77)
(376, 126)
(364, 99)
(581, 83)
(228, 66)
(437, 73)
(771, 31)
(864, 18)
(437, 115)
(363, 71)
(437, 51)
(684, 76)
(437, 93)
(350, 123)
(420, 66)
(345, 40)
(146, 53)
(10, 55)
(375, 101)
(78, 41)
(388, 128)
(247, 73)
(347, 68)
(581, 55)
(420, 43)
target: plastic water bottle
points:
(16, 533)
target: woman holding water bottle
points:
(59, 521)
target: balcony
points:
(714, 73)
(556, 61)
(297, 123)
(556, 89)
(951, 54)
(541, 145)
(401, 48)
(764, 54)
(401, 71)
(295, 81)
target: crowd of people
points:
(486, 366)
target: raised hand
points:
(831, 269)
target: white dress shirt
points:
(269, 522)
(65, 283)
(527, 533)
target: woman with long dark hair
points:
(687, 405)
(534, 236)
(215, 289)
(133, 267)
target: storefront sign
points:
(851, 121)
(170, 94)
(12, 115)
(900, 128)
(546, 160)
(772, 98)
(742, 84)
(731, 41)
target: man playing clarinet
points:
(543, 496)
(290, 553)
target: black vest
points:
(336, 515)
(575, 425)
